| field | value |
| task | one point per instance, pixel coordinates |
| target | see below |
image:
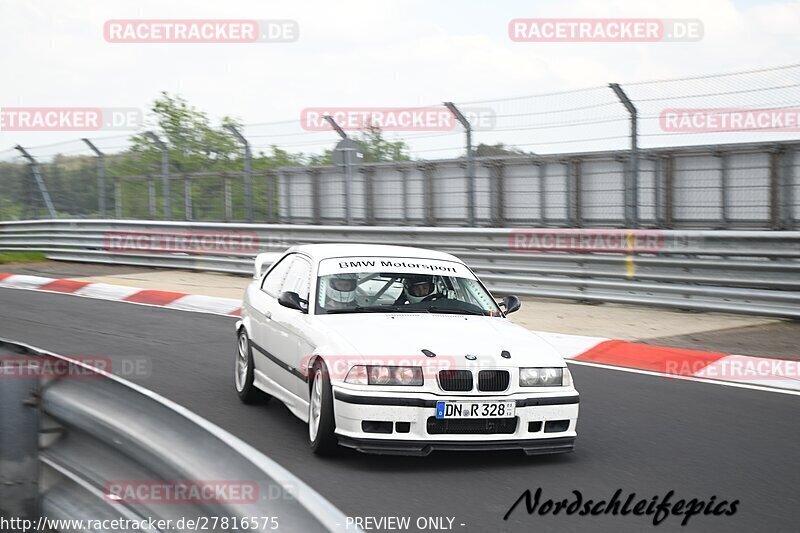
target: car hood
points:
(406, 335)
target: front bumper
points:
(544, 424)
(405, 447)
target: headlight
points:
(544, 377)
(357, 376)
(567, 382)
(385, 375)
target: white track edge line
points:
(734, 384)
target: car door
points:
(267, 337)
(294, 324)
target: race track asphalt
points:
(643, 434)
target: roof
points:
(318, 252)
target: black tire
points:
(248, 393)
(325, 442)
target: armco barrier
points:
(74, 440)
(752, 272)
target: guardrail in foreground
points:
(70, 433)
(750, 272)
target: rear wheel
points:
(321, 423)
(243, 377)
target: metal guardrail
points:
(69, 431)
(751, 272)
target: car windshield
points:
(415, 287)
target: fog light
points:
(556, 426)
(374, 426)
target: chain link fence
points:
(715, 151)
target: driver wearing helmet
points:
(417, 288)
(340, 292)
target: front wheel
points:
(243, 378)
(321, 423)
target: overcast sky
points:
(358, 53)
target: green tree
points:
(372, 145)
(194, 143)
(325, 158)
(496, 150)
(277, 158)
(376, 149)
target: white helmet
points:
(341, 288)
(418, 287)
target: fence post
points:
(428, 203)
(271, 188)
(313, 173)
(248, 176)
(349, 156)
(789, 193)
(285, 214)
(573, 193)
(542, 175)
(187, 198)
(658, 190)
(632, 185)
(775, 207)
(228, 197)
(470, 167)
(669, 191)
(369, 195)
(786, 189)
(577, 192)
(404, 183)
(101, 177)
(725, 197)
(496, 193)
(151, 197)
(347, 148)
(164, 173)
(118, 198)
(37, 176)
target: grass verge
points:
(21, 257)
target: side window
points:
(297, 278)
(274, 280)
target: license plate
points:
(475, 409)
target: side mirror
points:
(292, 300)
(511, 303)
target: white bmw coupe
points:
(395, 350)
